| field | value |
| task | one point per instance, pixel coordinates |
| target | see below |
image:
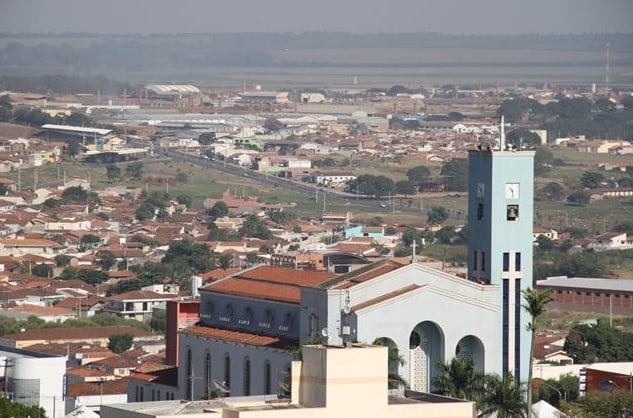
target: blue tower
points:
(500, 220)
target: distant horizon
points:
(447, 34)
(483, 17)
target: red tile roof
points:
(108, 387)
(239, 337)
(270, 291)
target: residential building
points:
(137, 304)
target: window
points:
(153, 395)
(517, 261)
(189, 365)
(483, 261)
(287, 322)
(267, 378)
(505, 338)
(267, 320)
(247, 376)
(227, 314)
(517, 327)
(480, 211)
(475, 260)
(158, 395)
(506, 261)
(512, 212)
(227, 370)
(246, 317)
(207, 370)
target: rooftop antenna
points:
(222, 388)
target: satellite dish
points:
(221, 387)
(324, 332)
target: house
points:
(365, 231)
(548, 233)
(612, 241)
(15, 247)
(137, 304)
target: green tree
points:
(535, 305)
(73, 148)
(6, 108)
(106, 259)
(523, 138)
(405, 187)
(93, 277)
(456, 173)
(74, 194)
(544, 243)
(9, 408)
(566, 386)
(120, 343)
(503, 397)
(158, 323)
(418, 174)
(69, 273)
(553, 191)
(42, 270)
(113, 172)
(437, 215)
(134, 170)
(218, 210)
(598, 404)
(184, 199)
(592, 179)
(254, 227)
(144, 211)
(182, 177)
(458, 379)
(579, 197)
(225, 261)
(89, 241)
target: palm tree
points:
(394, 360)
(503, 398)
(459, 379)
(535, 305)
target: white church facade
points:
(253, 323)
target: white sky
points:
(368, 16)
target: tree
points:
(9, 408)
(418, 173)
(394, 361)
(376, 186)
(159, 320)
(144, 211)
(599, 404)
(592, 179)
(42, 270)
(75, 194)
(134, 170)
(459, 379)
(579, 197)
(437, 215)
(523, 138)
(566, 386)
(113, 172)
(206, 138)
(106, 259)
(218, 210)
(184, 199)
(553, 191)
(405, 187)
(543, 161)
(456, 172)
(93, 277)
(89, 241)
(411, 235)
(6, 108)
(73, 148)
(254, 227)
(544, 243)
(535, 305)
(503, 398)
(225, 261)
(69, 273)
(119, 343)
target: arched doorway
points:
(471, 347)
(395, 360)
(426, 350)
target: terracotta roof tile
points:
(108, 387)
(270, 291)
(239, 337)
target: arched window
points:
(207, 372)
(227, 370)
(267, 378)
(247, 376)
(189, 371)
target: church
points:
(253, 323)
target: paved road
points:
(295, 186)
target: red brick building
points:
(593, 295)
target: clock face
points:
(480, 190)
(512, 190)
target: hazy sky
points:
(359, 16)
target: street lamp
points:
(561, 395)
